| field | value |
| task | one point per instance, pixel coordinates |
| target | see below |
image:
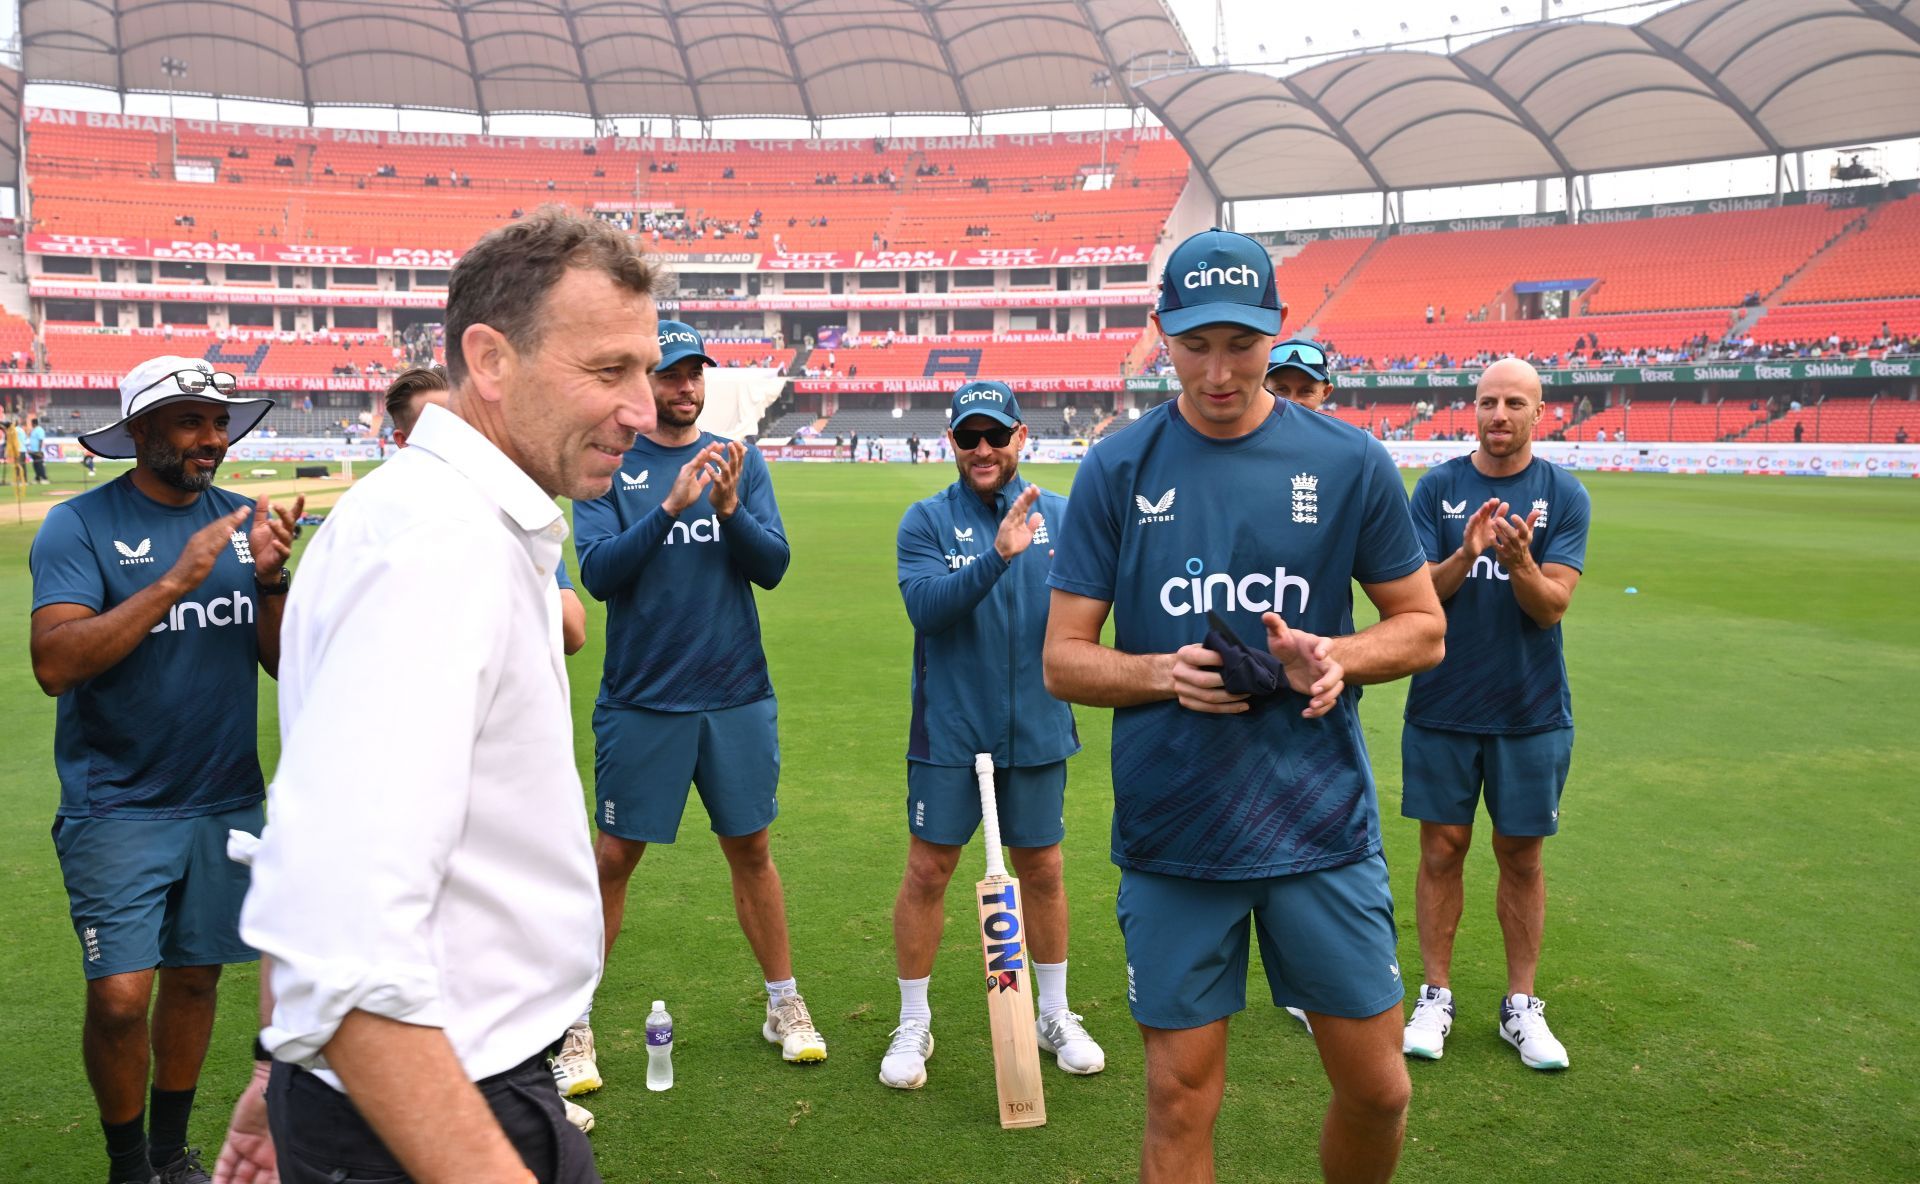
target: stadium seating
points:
(1883, 259)
(1845, 420)
(1308, 274)
(1857, 321)
(959, 356)
(1700, 261)
(1382, 341)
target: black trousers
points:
(321, 1139)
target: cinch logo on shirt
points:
(132, 555)
(1197, 592)
(631, 482)
(1155, 511)
(236, 609)
(1239, 274)
(700, 530)
(956, 561)
(1452, 509)
(1493, 572)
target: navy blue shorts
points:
(644, 761)
(155, 892)
(1326, 939)
(1442, 772)
(943, 804)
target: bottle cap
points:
(659, 1006)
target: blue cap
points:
(1307, 356)
(1218, 277)
(678, 342)
(992, 399)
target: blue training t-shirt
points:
(170, 731)
(1166, 523)
(1503, 674)
(683, 632)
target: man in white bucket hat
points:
(155, 596)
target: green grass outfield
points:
(1731, 953)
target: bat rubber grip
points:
(989, 814)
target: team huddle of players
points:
(1221, 534)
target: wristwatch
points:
(277, 587)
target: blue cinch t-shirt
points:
(683, 632)
(171, 731)
(1166, 523)
(1503, 674)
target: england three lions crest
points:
(1306, 498)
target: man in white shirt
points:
(458, 932)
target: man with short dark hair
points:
(414, 999)
(156, 597)
(1243, 800)
(973, 562)
(688, 530)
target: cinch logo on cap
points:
(690, 338)
(1206, 277)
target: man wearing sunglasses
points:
(1244, 807)
(973, 563)
(156, 598)
(1300, 372)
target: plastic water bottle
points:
(659, 1048)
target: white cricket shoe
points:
(1523, 1024)
(579, 1116)
(1426, 1034)
(790, 1026)
(905, 1065)
(1297, 1014)
(574, 1070)
(1064, 1035)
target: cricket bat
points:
(1003, 943)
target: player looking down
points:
(1245, 807)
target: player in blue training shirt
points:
(1234, 812)
(674, 548)
(1505, 535)
(973, 563)
(156, 597)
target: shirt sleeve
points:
(1087, 555)
(1426, 524)
(65, 569)
(755, 536)
(349, 870)
(612, 558)
(1567, 529)
(560, 576)
(1388, 549)
(939, 597)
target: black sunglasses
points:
(968, 439)
(193, 382)
(1297, 351)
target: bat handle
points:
(989, 814)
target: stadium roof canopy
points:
(1702, 81)
(699, 59)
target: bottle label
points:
(660, 1037)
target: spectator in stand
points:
(1900, 434)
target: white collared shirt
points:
(428, 858)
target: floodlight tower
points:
(173, 68)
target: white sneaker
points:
(1064, 1035)
(1297, 1014)
(905, 1065)
(579, 1116)
(1426, 1034)
(790, 1026)
(1523, 1024)
(574, 1070)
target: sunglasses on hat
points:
(193, 382)
(1298, 351)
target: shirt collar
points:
(455, 441)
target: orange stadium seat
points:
(1883, 259)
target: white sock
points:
(913, 1001)
(780, 990)
(1050, 978)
